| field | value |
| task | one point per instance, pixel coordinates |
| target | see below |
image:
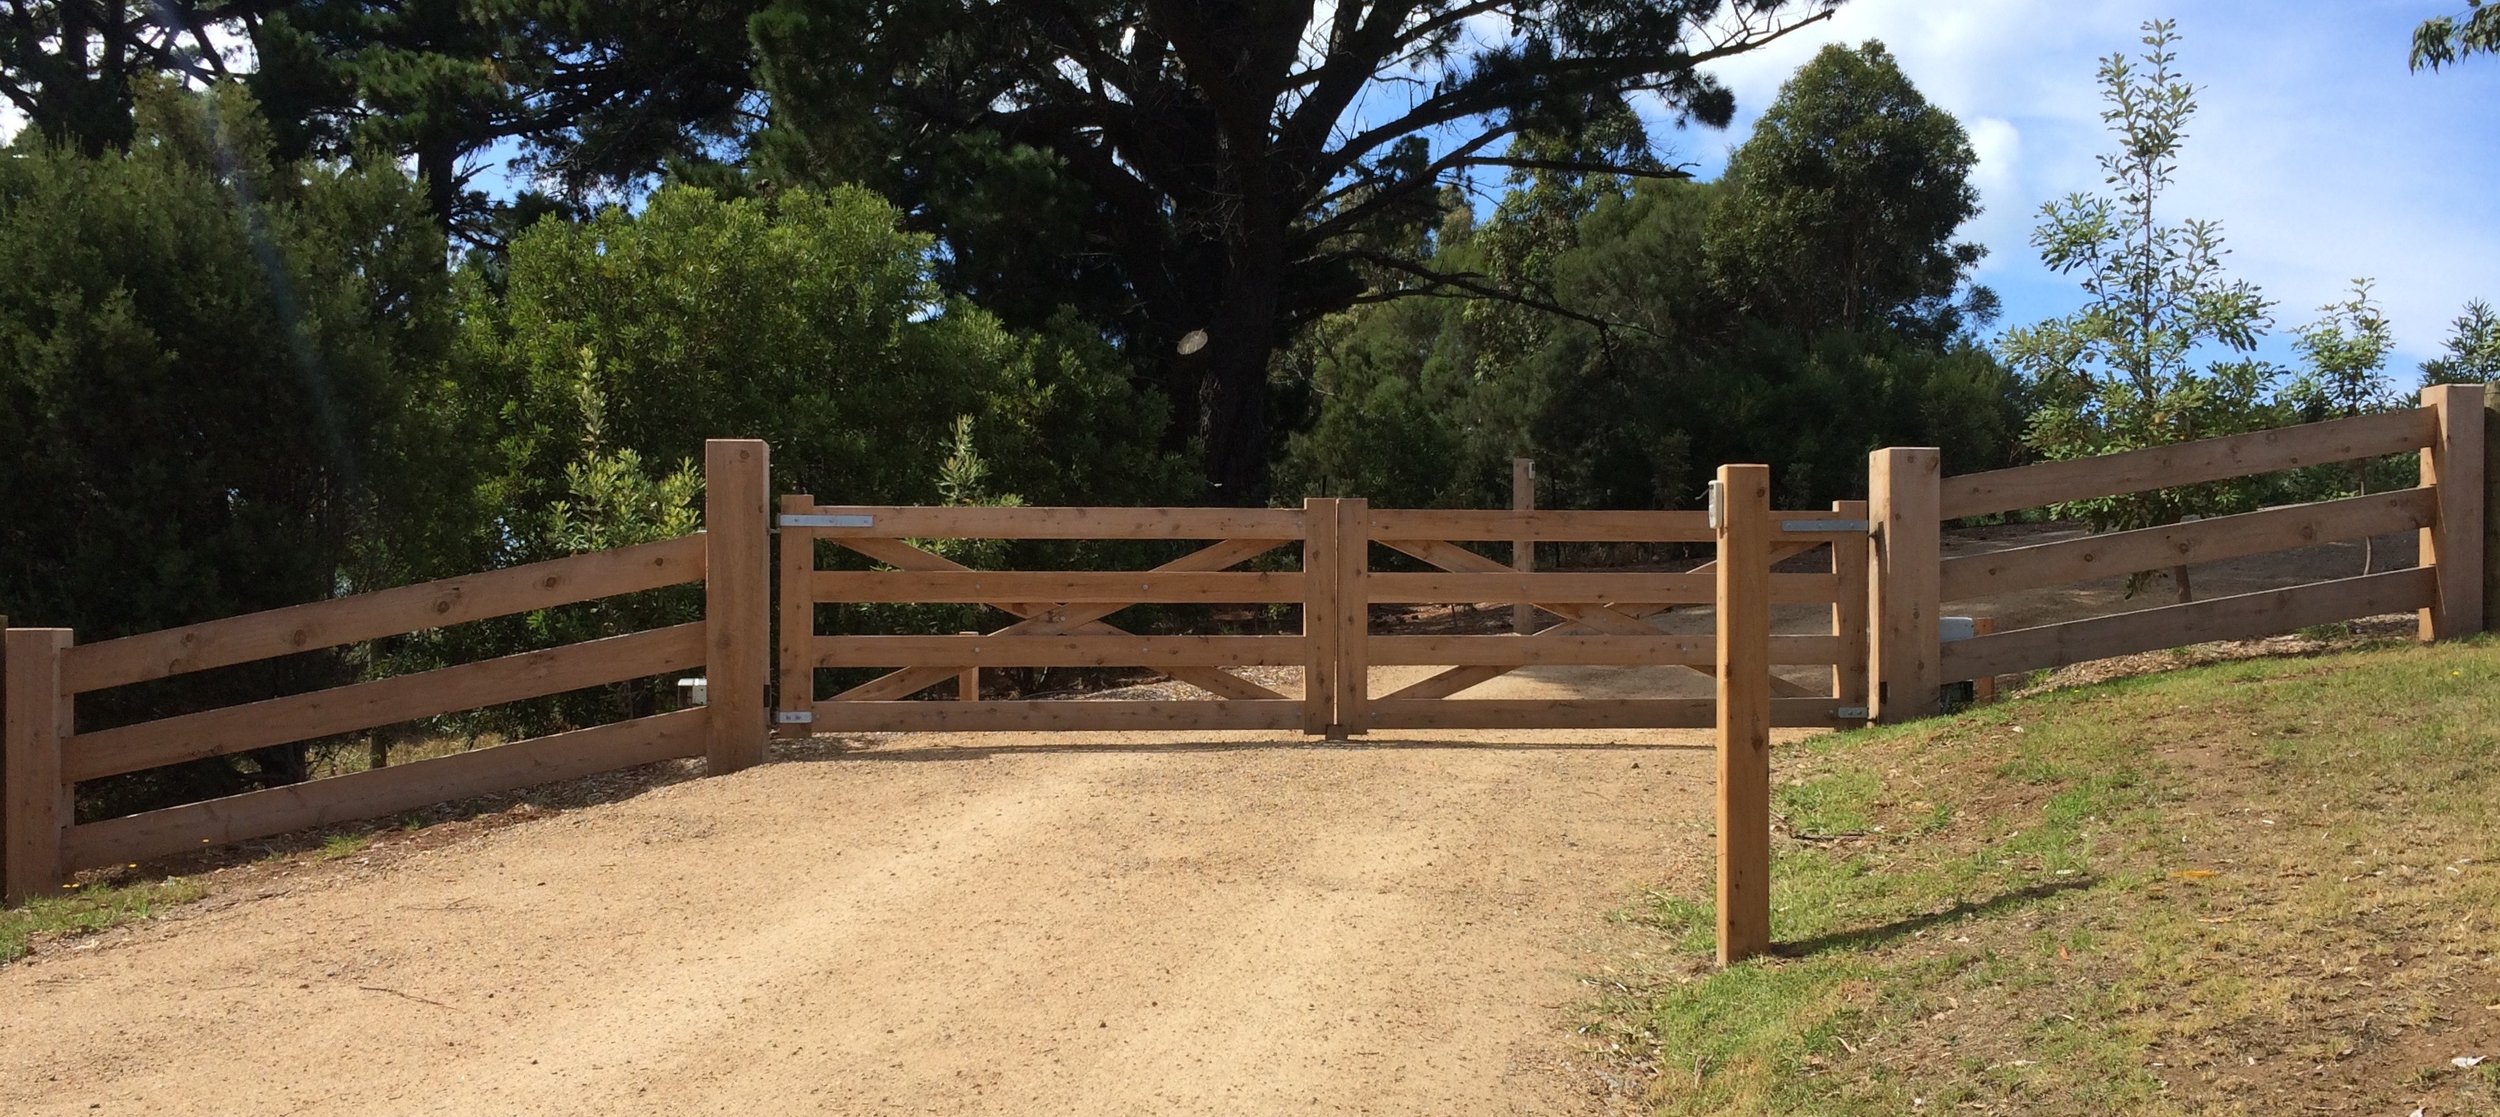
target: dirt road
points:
(1124, 924)
(1196, 927)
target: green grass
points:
(2243, 888)
(89, 908)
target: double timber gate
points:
(1331, 560)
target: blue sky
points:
(2324, 158)
(2322, 155)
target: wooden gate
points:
(1058, 617)
(1606, 618)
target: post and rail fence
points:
(1875, 569)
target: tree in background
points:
(2472, 349)
(1695, 337)
(808, 320)
(1203, 180)
(2443, 40)
(2345, 354)
(222, 392)
(1843, 206)
(2130, 369)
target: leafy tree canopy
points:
(1202, 180)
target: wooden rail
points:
(43, 756)
(2238, 617)
(1911, 583)
(2187, 463)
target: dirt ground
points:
(1103, 924)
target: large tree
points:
(1204, 179)
(1845, 202)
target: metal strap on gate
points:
(809, 520)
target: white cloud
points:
(2324, 158)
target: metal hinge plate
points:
(853, 520)
(1849, 713)
(794, 717)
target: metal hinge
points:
(1820, 527)
(1849, 713)
(794, 717)
(852, 520)
(1718, 502)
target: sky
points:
(2323, 157)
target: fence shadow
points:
(1902, 928)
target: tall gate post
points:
(38, 718)
(2453, 545)
(1523, 550)
(1851, 567)
(737, 601)
(1742, 501)
(1319, 615)
(2491, 506)
(1905, 502)
(1354, 613)
(794, 684)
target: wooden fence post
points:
(2453, 545)
(794, 686)
(1849, 610)
(1319, 615)
(737, 601)
(1904, 490)
(1523, 551)
(1353, 604)
(1743, 527)
(37, 719)
(2491, 506)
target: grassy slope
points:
(2261, 887)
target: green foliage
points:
(2132, 368)
(2471, 351)
(1692, 338)
(2345, 353)
(220, 391)
(2444, 40)
(1845, 203)
(1219, 171)
(807, 320)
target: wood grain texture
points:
(2185, 463)
(1543, 526)
(1548, 590)
(1743, 712)
(1065, 523)
(1051, 619)
(1072, 587)
(1355, 583)
(1589, 651)
(2452, 545)
(1052, 716)
(1904, 591)
(1320, 631)
(794, 617)
(372, 616)
(963, 652)
(1850, 609)
(368, 705)
(2238, 617)
(737, 601)
(1581, 713)
(386, 791)
(1523, 551)
(35, 719)
(2159, 548)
